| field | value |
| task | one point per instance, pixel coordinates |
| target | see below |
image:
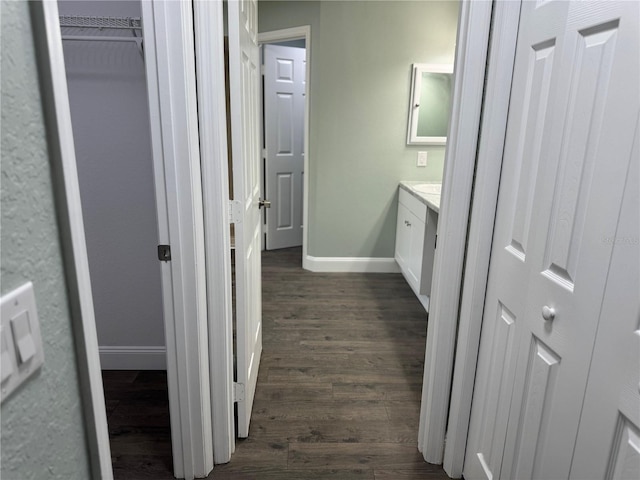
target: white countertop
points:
(427, 192)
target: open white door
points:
(284, 103)
(244, 78)
(571, 127)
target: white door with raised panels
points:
(571, 128)
(608, 444)
(244, 80)
(284, 90)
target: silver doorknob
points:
(548, 313)
(264, 203)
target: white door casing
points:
(66, 188)
(171, 79)
(568, 146)
(244, 78)
(212, 125)
(472, 42)
(284, 104)
(495, 110)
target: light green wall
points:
(361, 58)
(43, 435)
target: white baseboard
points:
(133, 358)
(350, 264)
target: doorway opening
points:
(106, 79)
(350, 357)
(285, 100)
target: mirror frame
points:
(414, 102)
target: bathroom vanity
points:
(418, 209)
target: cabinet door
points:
(416, 228)
(403, 237)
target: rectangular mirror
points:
(430, 104)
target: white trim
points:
(170, 64)
(133, 358)
(351, 264)
(55, 98)
(490, 151)
(162, 216)
(209, 43)
(294, 34)
(471, 53)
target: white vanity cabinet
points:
(415, 242)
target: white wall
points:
(110, 116)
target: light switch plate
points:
(7, 355)
(21, 345)
(422, 159)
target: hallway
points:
(340, 380)
(338, 393)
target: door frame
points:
(176, 173)
(472, 46)
(209, 42)
(474, 24)
(295, 33)
(506, 17)
(170, 66)
(66, 186)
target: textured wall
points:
(361, 57)
(110, 117)
(42, 423)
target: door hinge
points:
(164, 253)
(262, 69)
(235, 211)
(435, 243)
(238, 392)
(264, 153)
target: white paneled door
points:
(571, 128)
(608, 444)
(244, 77)
(284, 90)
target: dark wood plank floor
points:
(138, 419)
(338, 393)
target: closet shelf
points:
(122, 23)
(81, 21)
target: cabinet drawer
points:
(414, 205)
